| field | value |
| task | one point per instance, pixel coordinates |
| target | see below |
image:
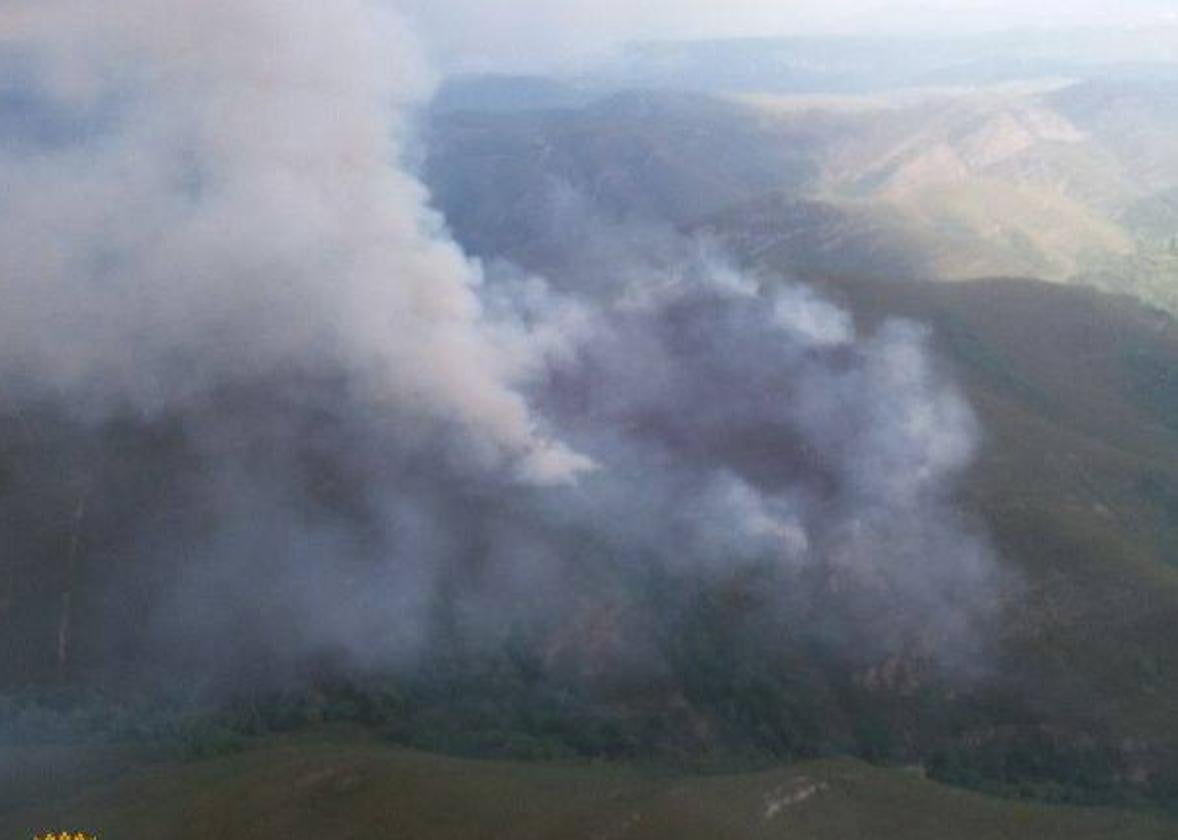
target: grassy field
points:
(343, 786)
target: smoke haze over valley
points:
(676, 403)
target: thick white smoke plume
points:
(298, 421)
(238, 207)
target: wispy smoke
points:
(307, 425)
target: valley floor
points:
(347, 786)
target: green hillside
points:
(342, 787)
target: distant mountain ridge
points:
(863, 64)
(1066, 182)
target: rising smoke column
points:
(231, 204)
(216, 236)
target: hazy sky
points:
(522, 33)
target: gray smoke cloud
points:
(237, 210)
(304, 424)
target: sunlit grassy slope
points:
(347, 787)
